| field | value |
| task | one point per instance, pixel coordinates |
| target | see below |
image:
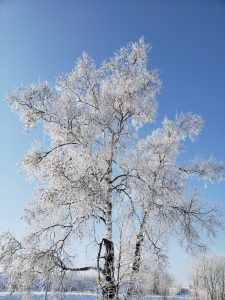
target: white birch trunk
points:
(108, 221)
(109, 289)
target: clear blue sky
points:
(41, 39)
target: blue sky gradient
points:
(41, 39)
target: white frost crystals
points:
(99, 184)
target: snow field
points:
(81, 296)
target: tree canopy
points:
(100, 183)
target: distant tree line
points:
(208, 277)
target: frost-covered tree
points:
(156, 278)
(208, 276)
(100, 183)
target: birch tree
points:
(99, 182)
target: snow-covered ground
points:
(41, 296)
(80, 296)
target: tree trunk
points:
(136, 258)
(109, 288)
(135, 267)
